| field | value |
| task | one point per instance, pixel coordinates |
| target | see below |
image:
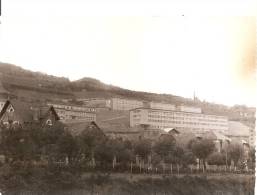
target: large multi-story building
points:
(192, 121)
(71, 112)
(125, 104)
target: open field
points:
(140, 184)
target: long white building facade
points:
(71, 112)
(194, 121)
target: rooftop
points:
(236, 128)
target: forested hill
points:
(39, 86)
(15, 78)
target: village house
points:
(18, 112)
(76, 128)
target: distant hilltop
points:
(36, 86)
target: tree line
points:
(53, 154)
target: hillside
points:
(39, 86)
(18, 81)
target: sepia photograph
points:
(127, 98)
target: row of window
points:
(184, 114)
(182, 122)
(78, 118)
(75, 108)
(181, 118)
(75, 113)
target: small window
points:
(11, 109)
(49, 122)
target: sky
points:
(173, 48)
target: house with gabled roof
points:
(18, 112)
(76, 128)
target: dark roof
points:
(76, 128)
(44, 111)
(171, 130)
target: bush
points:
(217, 159)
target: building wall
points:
(50, 117)
(10, 115)
(252, 137)
(76, 115)
(161, 119)
(72, 107)
(125, 104)
(70, 112)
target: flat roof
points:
(176, 111)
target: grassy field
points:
(215, 184)
(126, 184)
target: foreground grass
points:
(126, 184)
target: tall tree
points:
(165, 147)
(18, 145)
(142, 150)
(235, 152)
(88, 140)
(202, 148)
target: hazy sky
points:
(162, 48)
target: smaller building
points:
(238, 132)
(68, 112)
(76, 128)
(22, 113)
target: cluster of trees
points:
(92, 149)
(52, 156)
